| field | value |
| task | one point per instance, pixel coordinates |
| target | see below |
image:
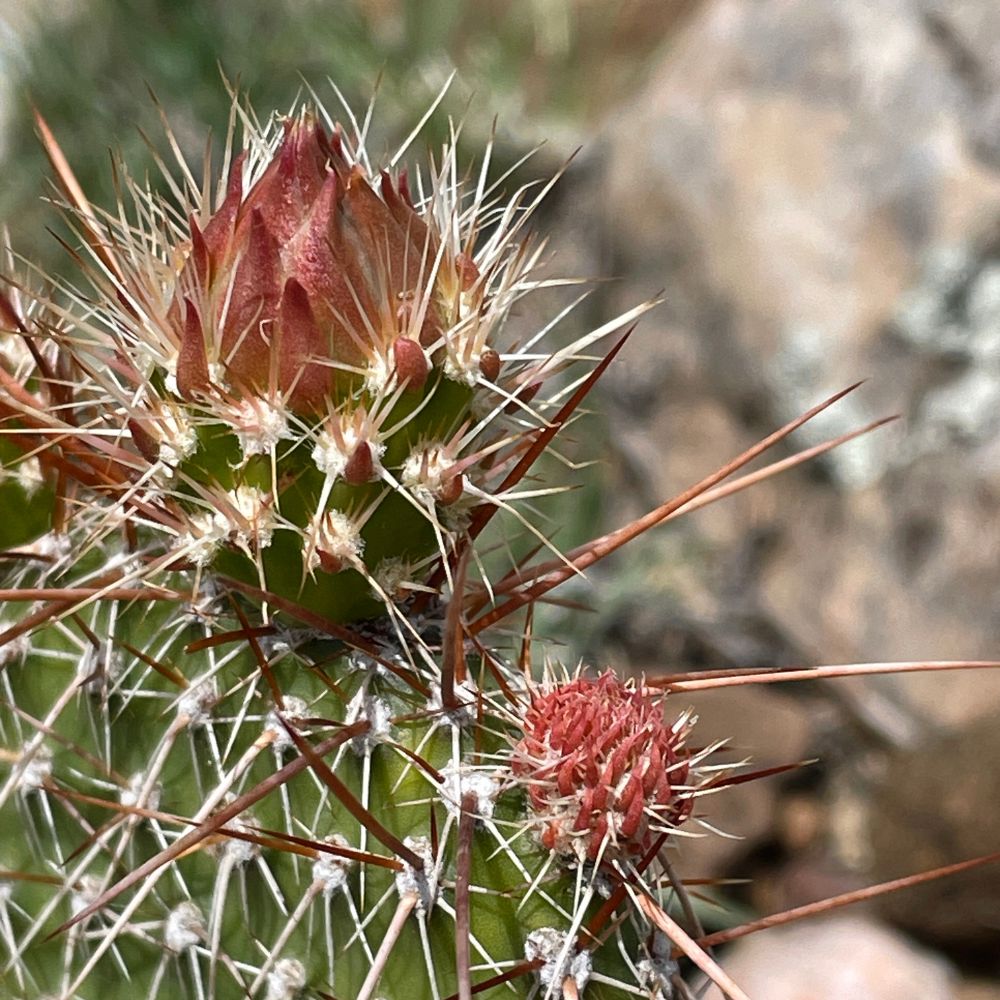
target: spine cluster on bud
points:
(311, 277)
(318, 316)
(305, 382)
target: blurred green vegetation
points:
(549, 69)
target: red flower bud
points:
(316, 268)
(410, 363)
(489, 364)
(603, 771)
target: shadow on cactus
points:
(268, 727)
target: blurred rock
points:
(936, 805)
(778, 733)
(810, 186)
(815, 189)
(839, 958)
(968, 36)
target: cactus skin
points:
(247, 745)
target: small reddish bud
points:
(411, 364)
(360, 466)
(451, 490)
(489, 364)
(328, 562)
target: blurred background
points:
(814, 186)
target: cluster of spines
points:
(605, 774)
(304, 380)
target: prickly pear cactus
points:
(256, 738)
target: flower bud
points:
(313, 271)
(604, 773)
